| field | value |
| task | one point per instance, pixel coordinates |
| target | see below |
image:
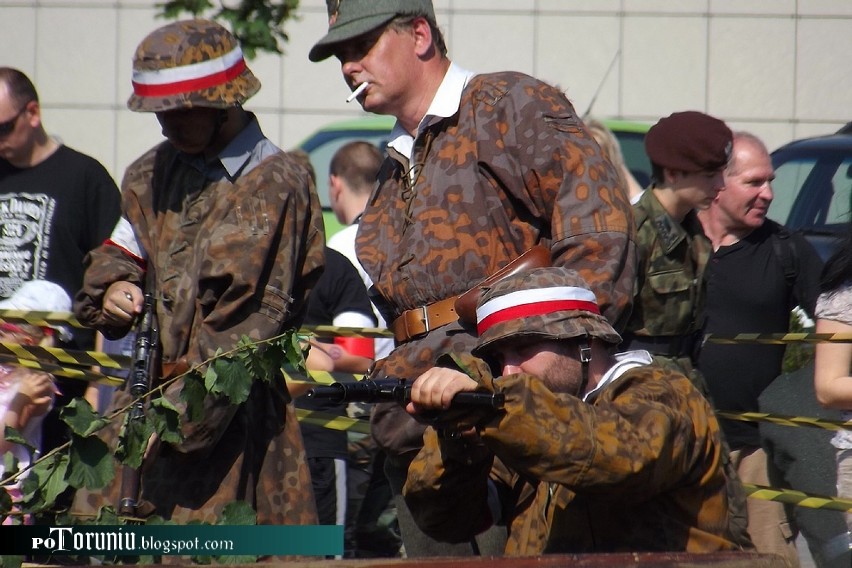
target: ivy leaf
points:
(165, 420)
(229, 378)
(132, 441)
(81, 418)
(45, 483)
(253, 358)
(238, 513)
(192, 394)
(13, 436)
(273, 359)
(92, 464)
(107, 516)
(9, 561)
(243, 559)
(5, 502)
(174, 8)
(10, 465)
(293, 350)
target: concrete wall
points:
(780, 68)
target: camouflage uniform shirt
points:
(636, 467)
(235, 245)
(670, 284)
(513, 167)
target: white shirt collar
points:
(623, 363)
(444, 104)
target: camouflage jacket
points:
(670, 284)
(513, 167)
(234, 256)
(639, 468)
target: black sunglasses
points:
(7, 127)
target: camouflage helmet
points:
(542, 303)
(192, 63)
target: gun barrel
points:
(332, 393)
(395, 390)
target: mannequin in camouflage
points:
(227, 229)
(592, 451)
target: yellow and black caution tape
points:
(799, 498)
(319, 377)
(60, 371)
(767, 338)
(42, 319)
(332, 421)
(779, 338)
(337, 331)
(65, 356)
(783, 420)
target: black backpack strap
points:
(787, 253)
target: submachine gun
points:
(396, 390)
(144, 372)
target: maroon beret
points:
(689, 141)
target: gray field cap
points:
(348, 19)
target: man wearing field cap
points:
(480, 168)
(593, 451)
(225, 230)
(688, 151)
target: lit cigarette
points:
(357, 91)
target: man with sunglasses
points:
(56, 204)
(481, 168)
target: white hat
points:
(42, 296)
(39, 295)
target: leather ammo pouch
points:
(537, 256)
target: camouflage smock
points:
(513, 167)
(670, 287)
(670, 273)
(232, 258)
(639, 468)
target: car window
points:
(841, 203)
(789, 177)
(322, 149)
(813, 191)
(633, 149)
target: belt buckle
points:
(415, 318)
(425, 320)
(419, 321)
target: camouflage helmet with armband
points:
(539, 304)
(192, 63)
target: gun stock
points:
(143, 373)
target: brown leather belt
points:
(420, 321)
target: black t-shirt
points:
(51, 216)
(339, 289)
(747, 293)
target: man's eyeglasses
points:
(7, 127)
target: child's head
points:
(35, 295)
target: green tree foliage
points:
(258, 24)
(87, 461)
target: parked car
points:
(322, 145)
(813, 188)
